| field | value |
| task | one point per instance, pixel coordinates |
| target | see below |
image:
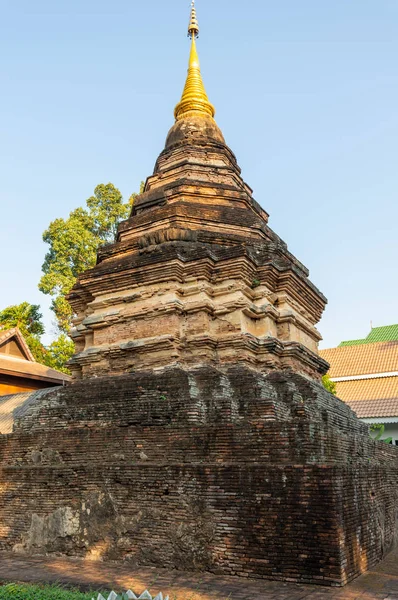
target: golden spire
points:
(194, 97)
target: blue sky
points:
(306, 95)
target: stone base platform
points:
(228, 471)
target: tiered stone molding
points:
(196, 275)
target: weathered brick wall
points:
(229, 471)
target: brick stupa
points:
(197, 434)
(196, 276)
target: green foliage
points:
(73, 244)
(378, 430)
(13, 591)
(37, 349)
(105, 211)
(329, 385)
(72, 250)
(25, 591)
(134, 196)
(59, 352)
(63, 310)
(27, 317)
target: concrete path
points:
(379, 584)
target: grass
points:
(22, 591)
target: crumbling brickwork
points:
(196, 275)
(225, 470)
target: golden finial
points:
(193, 27)
(194, 97)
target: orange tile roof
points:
(377, 397)
(369, 389)
(365, 359)
(375, 409)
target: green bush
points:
(21, 591)
(378, 429)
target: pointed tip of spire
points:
(193, 27)
(194, 97)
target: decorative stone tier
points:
(224, 470)
(196, 275)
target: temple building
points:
(196, 433)
(366, 375)
(19, 372)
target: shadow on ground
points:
(378, 584)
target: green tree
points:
(72, 250)
(135, 195)
(27, 317)
(105, 211)
(329, 384)
(377, 430)
(73, 244)
(37, 349)
(59, 352)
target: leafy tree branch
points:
(73, 245)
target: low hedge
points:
(21, 591)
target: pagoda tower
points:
(196, 276)
(196, 435)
